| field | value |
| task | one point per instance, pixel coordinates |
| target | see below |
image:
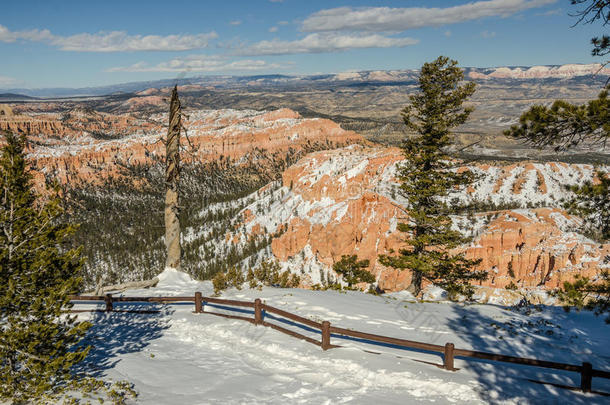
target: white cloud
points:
(114, 41)
(6, 82)
(283, 22)
(448, 33)
(488, 34)
(7, 35)
(386, 19)
(202, 63)
(321, 43)
(273, 29)
(235, 22)
(556, 11)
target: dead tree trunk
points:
(172, 178)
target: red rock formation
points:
(342, 203)
(87, 146)
(530, 248)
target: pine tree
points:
(426, 177)
(38, 344)
(564, 125)
(585, 293)
(353, 270)
(593, 11)
(592, 202)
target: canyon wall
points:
(345, 201)
(87, 146)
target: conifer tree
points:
(426, 177)
(353, 270)
(563, 126)
(592, 202)
(38, 344)
(593, 11)
(586, 293)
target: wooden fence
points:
(448, 351)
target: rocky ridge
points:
(344, 201)
(88, 146)
(541, 72)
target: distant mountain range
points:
(540, 72)
(15, 97)
(588, 73)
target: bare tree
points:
(172, 179)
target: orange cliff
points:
(534, 247)
(88, 146)
(345, 202)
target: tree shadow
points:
(540, 332)
(121, 332)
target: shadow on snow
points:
(537, 332)
(117, 333)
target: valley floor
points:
(176, 357)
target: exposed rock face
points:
(56, 129)
(88, 146)
(542, 72)
(536, 247)
(5, 111)
(23, 124)
(344, 202)
(136, 103)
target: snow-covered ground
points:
(177, 357)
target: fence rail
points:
(449, 351)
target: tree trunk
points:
(415, 287)
(172, 178)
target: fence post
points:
(448, 357)
(325, 335)
(586, 376)
(258, 312)
(108, 301)
(198, 303)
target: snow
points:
(223, 123)
(350, 172)
(172, 277)
(176, 356)
(564, 71)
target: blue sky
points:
(89, 43)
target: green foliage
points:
(373, 291)
(39, 343)
(511, 271)
(565, 125)
(353, 270)
(130, 246)
(426, 177)
(584, 293)
(268, 274)
(592, 202)
(593, 11)
(232, 278)
(512, 286)
(235, 277)
(220, 283)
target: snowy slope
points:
(180, 357)
(541, 72)
(345, 201)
